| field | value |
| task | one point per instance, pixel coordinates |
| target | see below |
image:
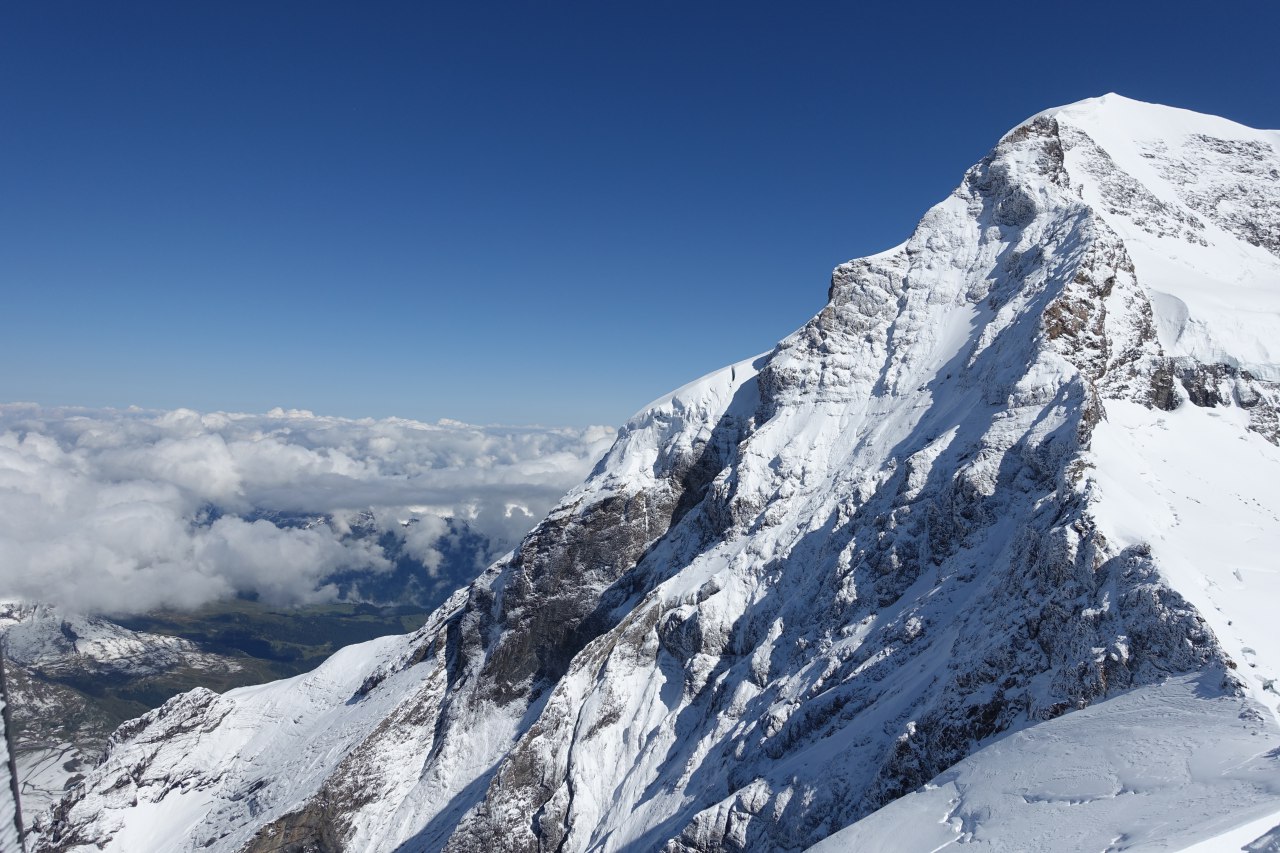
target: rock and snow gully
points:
(987, 545)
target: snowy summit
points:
(982, 554)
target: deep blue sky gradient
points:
(516, 212)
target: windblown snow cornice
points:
(805, 585)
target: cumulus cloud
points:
(125, 511)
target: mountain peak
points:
(1196, 200)
(1144, 119)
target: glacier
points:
(981, 554)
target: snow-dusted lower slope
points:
(60, 731)
(952, 506)
(287, 736)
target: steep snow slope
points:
(803, 586)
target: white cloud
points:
(125, 511)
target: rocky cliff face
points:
(803, 586)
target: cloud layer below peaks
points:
(117, 511)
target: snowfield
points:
(1162, 767)
(981, 555)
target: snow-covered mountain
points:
(983, 552)
(43, 639)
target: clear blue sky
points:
(507, 212)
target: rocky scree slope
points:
(803, 586)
